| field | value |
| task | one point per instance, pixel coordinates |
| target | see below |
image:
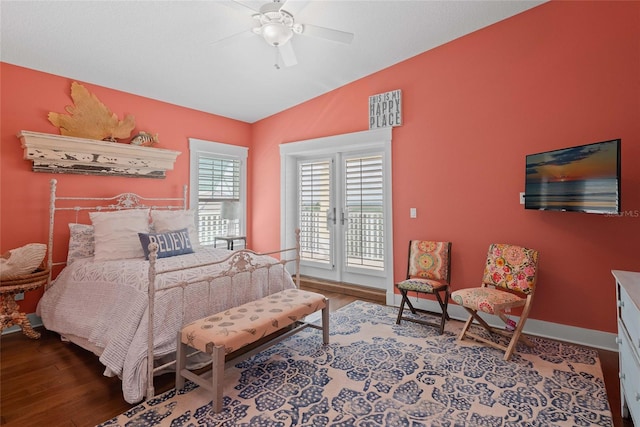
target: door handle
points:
(331, 217)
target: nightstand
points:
(230, 241)
(10, 313)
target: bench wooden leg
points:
(217, 377)
(216, 386)
(306, 302)
(325, 322)
(181, 362)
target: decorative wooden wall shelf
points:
(66, 154)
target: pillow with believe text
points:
(170, 243)
(175, 220)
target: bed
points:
(108, 285)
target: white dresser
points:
(628, 294)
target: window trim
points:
(200, 147)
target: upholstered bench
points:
(226, 332)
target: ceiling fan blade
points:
(327, 33)
(294, 6)
(234, 38)
(287, 54)
(241, 6)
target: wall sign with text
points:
(385, 109)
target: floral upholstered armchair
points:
(509, 281)
(428, 272)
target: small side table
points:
(230, 240)
(10, 313)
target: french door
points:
(342, 207)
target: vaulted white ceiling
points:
(168, 50)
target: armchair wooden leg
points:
(473, 316)
(408, 301)
(514, 336)
(401, 310)
(466, 326)
(443, 306)
(443, 302)
(480, 320)
(517, 336)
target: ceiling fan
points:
(277, 26)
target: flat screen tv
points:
(585, 178)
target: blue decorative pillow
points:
(170, 243)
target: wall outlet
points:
(522, 198)
(19, 297)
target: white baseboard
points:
(540, 328)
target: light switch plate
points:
(413, 213)
(522, 198)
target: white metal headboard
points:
(118, 202)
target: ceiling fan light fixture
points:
(276, 25)
(276, 33)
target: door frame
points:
(290, 152)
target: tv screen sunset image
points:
(583, 178)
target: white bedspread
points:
(106, 303)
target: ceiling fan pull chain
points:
(276, 61)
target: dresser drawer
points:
(630, 375)
(629, 316)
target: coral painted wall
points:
(28, 96)
(559, 75)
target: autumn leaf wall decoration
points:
(90, 118)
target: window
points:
(314, 207)
(218, 187)
(364, 202)
(337, 191)
(361, 212)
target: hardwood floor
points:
(49, 383)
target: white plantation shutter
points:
(219, 178)
(314, 204)
(364, 213)
(338, 188)
(218, 175)
(218, 181)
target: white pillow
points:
(116, 233)
(22, 261)
(166, 220)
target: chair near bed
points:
(428, 272)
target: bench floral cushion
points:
(243, 325)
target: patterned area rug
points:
(377, 373)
